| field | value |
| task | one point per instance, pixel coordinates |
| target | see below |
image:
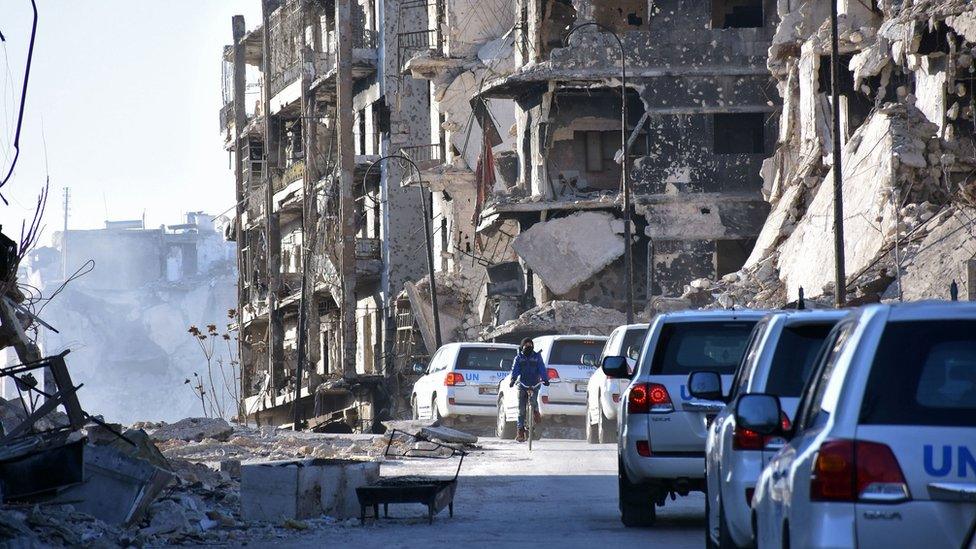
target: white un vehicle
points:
(603, 393)
(461, 381)
(570, 360)
(883, 449)
(661, 448)
(778, 361)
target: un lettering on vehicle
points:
(946, 460)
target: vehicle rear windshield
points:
(485, 358)
(796, 350)
(685, 347)
(924, 373)
(633, 341)
(571, 351)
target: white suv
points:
(778, 361)
(461, 381)
(603, 393)
(570, 360)
(661, 448)
(883, 449)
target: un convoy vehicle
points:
(778, 361)
(461, 381)
(603, 393)
(882, 452)
(570, 360)
(661, 448)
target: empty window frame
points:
(738, 133)
(737, 14)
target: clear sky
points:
(125, 94)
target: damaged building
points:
(525, 161)
(327, 236)
(906, 130)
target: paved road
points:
(564, 493)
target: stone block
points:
(278, 490)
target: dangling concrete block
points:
(298, 489)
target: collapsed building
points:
(122, 298)
(526, 159)
(906, 129)
(512, 112)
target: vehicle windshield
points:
(492, 359)
(924, 373)
(685, 347)
(793, 359)
(571, 351)
(633, 341)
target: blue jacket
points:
(530, 368)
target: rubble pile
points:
(561, 317)
(908, 159)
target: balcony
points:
(226, 117)
(426, 156)
(369, 248)
(411, 43)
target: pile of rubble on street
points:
(204, 502)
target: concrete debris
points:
(300, 489)
(192, 429)
(566, 251)
(559, 317)
(446, 434)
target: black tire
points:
(636, 506)
(709, 542)
(435, 413)
(504, 429)
(724, 538)
(607, 430)
(591, 435)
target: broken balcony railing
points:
(426, 156)
(413, 42)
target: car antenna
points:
(800, 304)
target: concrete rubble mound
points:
(560, 317)
(907, 153)
(203, 503)
(193, 429)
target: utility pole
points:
(64, 237)
(272, 232)
(840, 278)
(347, 208)
(240, 120)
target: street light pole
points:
(840, 278)
(624, 178)
(428, 237)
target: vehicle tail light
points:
(646, 398)
(552, 373)
(644, 448)
(848, 470)
(879, 477)
(746, 439)
(454, 379)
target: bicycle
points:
(532, 405)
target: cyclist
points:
(529, 370)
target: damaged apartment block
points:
(325, 242)
(525, 150)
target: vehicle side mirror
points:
(616, 366)
(418, 368)
(759, 412)
(588, 359)
(705, 385)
